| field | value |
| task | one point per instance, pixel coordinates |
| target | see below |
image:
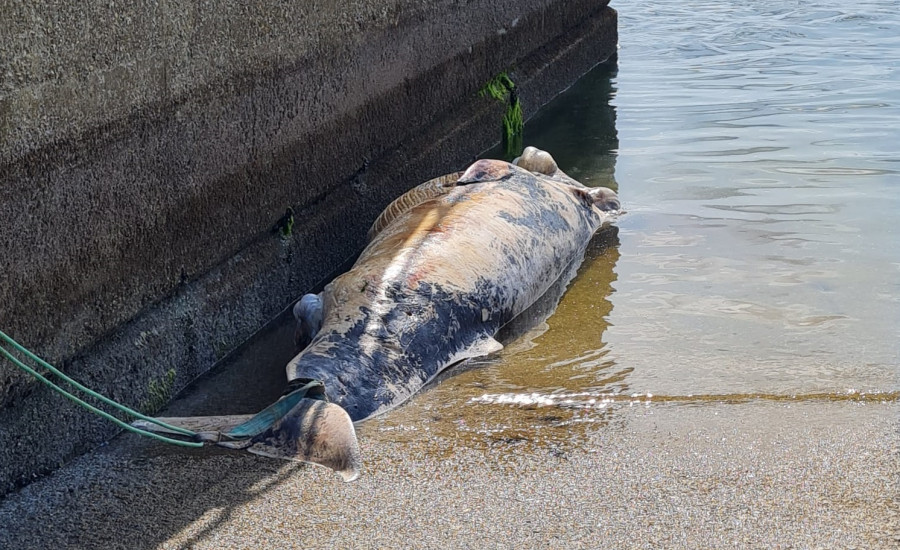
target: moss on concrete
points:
(159, 392)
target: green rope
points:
(94, 394)
(264, 419)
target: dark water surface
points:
(756, 147)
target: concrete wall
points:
(148, 150)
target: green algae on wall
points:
(502, 88)
(159, 393)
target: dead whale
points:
(448, 265)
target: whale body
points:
(437, 283)
(447, 266)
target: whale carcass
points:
(447, 266)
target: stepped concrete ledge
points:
(149, 150)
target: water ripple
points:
(756, 145)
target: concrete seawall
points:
(147, 152)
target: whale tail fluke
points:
(294, 428)
(313, 431)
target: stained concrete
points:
(147, 153)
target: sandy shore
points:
(755, 475)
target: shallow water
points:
(756, 147)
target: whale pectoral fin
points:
(485, 346)
(602, 197)
(486, 170)
(314, 431)
(605, 199)
(308, 312)
(481, 347)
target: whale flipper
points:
(482, 347)
(308, 312)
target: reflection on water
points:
(569, 346)
(756, 146)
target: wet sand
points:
(717, 475)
